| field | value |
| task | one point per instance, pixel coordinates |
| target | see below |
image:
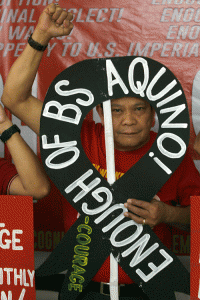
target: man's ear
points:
(100, 113)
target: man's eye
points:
(116, 110)
(139, 108)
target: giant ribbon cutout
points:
(86, 245)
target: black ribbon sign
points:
(102, 227)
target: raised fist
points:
(54, 21)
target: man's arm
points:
(32, 179)
(156, 212)
(53, 22)
(197, 144)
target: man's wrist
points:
(41, 37)
(8, 133)
(173, 214)
(35, 45)
(167, 212)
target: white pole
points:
(110, 162)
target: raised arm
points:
(32, 179)
(53, 22)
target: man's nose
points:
(129, 119)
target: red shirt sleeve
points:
(7, 173)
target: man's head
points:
(132, 120)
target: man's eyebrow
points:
(135, 104)
(141, 103)
(113, 104)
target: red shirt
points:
(184, 182)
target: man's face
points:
(132, 120)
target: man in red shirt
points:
(132, 121)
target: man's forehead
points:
(128, 101)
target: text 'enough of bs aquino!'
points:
(143, 88)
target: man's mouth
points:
(129, 133)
